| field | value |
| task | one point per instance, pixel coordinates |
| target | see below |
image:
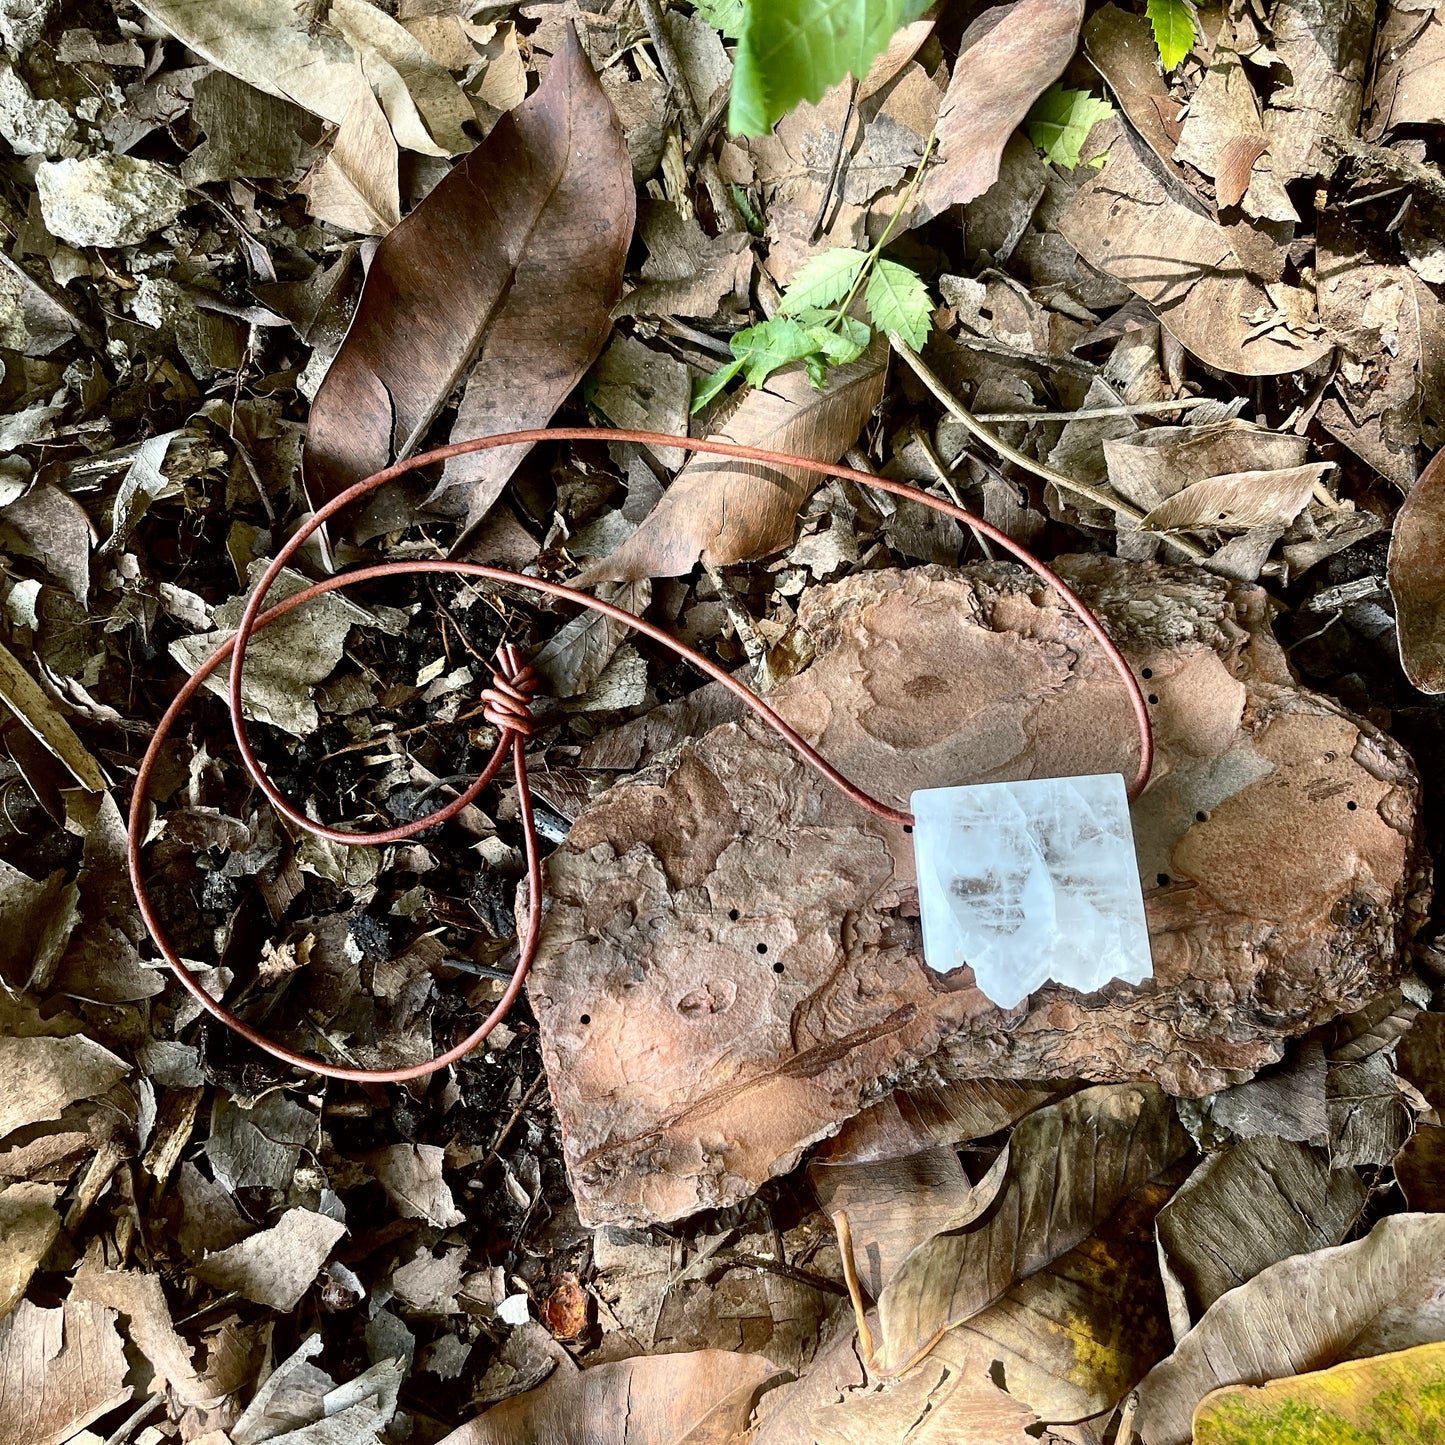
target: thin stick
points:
(512, 1122)
(671, 62)
(855, 1290)
(935, 463)
(1098, 413)
(960, 413)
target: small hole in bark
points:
(733, 914)
(908, 827)
(777, 968)
(1153, 697)
(1201, 817)
(586, 1019)
(1147, 672)
(762, 948)
(1163, 880)
(1352, 805)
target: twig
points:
(512, 1122)
(831, 184)
(1070, 364)
(959, 412)
(935, 464)
(671, 63)
(1098, 413)
(742, 620)
(855, 1290)
(138, 1416)
(1390, 165)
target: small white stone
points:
(32, 127)
(1030, 881)
(107, 200)
(514, 1310)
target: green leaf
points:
(842, 341)
(1173, 23)
(1061, 120)
(792, 50)
(724, 15)
(709, 386)
(824, 280)
(898, 301)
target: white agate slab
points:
(1030, 881)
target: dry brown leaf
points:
(522, 286)
(1233, 168)
(24, 697)
(909, 1120)
(1286, 1102)
(1417, 578)
(1238, 500)
(47, 1074)
(1126, 223)
(1244, 1209)
(1008, 57)
(28, 1226)
(278, 1265)
(948, 1400)
(689, 1089)
(1071, 1164)
(37, 919)
(576, 656)
(411, 1174)
(59, 1370)
(702, 1398)
(725, 511)
(1223, 136)
(1379, 1294)
(356, 186)
(139, 1298)
(1409, 86)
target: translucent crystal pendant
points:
(1030, 881)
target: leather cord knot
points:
(508, 702)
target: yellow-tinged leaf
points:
(1385, 1400)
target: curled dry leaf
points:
(1071, 1165)
(758, 1034)
(1124, 221)
(513, 263)
(1417, 578)
(1008, 57)
(1244, 1209)
(24, 697)
(357, 186)
(1390, 1397)
(1379, 1294)
(725, 511)
(1238, 500)
(47, 1074)
(702, 1398)
(277, 1266)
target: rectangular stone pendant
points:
(1030, 881)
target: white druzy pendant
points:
(1030, 881)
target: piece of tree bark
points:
(730, 965)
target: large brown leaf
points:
(514, 261)
(1010, 55)
(725, 511)
(1071, 1165)
(1308, 1312)
(1417, 578)
(702, 1398)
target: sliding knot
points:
(508, 702)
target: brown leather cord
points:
(508, 706)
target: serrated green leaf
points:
(1173, 23)
(898, 301)
(724, 15)
(846, 343)
(770, 344)
(792, 50)
(1061, 120)
(823, 280)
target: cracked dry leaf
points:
(923, 678)
(278, 1265)
(702, 1398)
(1124, 222)
(1390, 1397)
(575, 657)
(1007, 58)
(1409, 84)
(37, 918)
(1070, 1166)
(1286, 1101)
(46, 1074)
(1383, 1293)
(59, 1370)
(411, 1174)
(1244, 1209)
(518, 289)
(28, 1227)
(724, 511)
(1417, 578)
(42, 717)
(356, 185)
